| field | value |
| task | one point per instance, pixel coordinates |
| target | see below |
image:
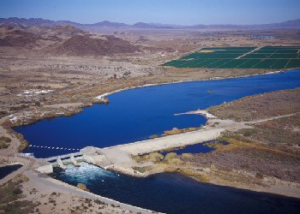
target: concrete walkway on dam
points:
(121, 154)
(172, 141)
(213, 129)
(119, 158)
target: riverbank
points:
(148, 163)
(179, 193)
(40, 193)
(48, 110)
(36, 85)
(47, 194)
(214, 168)
(262, 155)
(216, 124)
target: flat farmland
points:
(268, 57)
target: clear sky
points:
(184, 12)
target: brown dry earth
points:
(265, 157)
(72, 63)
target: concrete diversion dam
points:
(136, 114)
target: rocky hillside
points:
(56, 31)
(14, 37)
(62, 39)
(81, 45)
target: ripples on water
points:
(86, 172)
(173, 193)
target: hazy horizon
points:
(189, 12)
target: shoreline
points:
(99, 97)
(278, 190)
(151, 85)
(29, 121)
(178, 82)
(267, 191)
(45, 183)
(281, 187)
(89, 194)
(12, 164)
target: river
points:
(176, 194)
(136, 114)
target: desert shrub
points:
(99, 202)
(17, 191)
(82, 186)
(9, 192)
(5, 139)
(196, 175)
(171, 156)
(248, 132)
(145, 157)
(187, 155)
(179, 131)
(175, 161)
(139, 169)
(4, 142)
(154, 136)
(156, 157)
(19, 207)
(138, 158)
(259, 175)
(171, 132)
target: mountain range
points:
(44, 37)
(293, 24)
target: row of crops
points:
(238, 63)
(241, 57)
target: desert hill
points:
(81, 45)
(17, 37)
(62, 39)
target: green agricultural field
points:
(269, 57)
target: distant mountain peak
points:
(291, 24)
(110, 24)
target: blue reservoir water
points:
(137, 114)
(176, 194)
(6, 170)
(195, 149)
